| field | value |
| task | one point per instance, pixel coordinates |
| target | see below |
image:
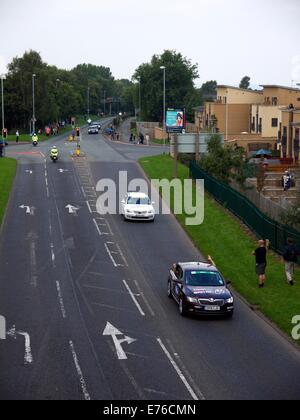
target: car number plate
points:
(212, 308)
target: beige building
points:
(234, 95)
(266, 118)
(230, 113)
(290, 134)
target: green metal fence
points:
(263, 226)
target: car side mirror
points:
(123, 202)
(153, 203)
(228, 282)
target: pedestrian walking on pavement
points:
(1, 149)
(131, 138)
(17, 136)
(261, 261)
(290, 256)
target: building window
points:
(274, 122)
(275, 101)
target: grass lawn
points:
(226, 240)
(7, 173)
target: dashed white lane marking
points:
(33, 263)
(179, 373)
(110, 255)
(134, 299)
(79, 373)
(83, 192)
(97, 227)
(89, 207)
(61, 302)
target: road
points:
(85, 297)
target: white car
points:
(137, 206)
(93, 129)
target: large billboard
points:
(175, 120)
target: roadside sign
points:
(175, 120)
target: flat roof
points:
(237, 88)
(280, 87)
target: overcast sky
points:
(227, 38)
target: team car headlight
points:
(230, 300)
(192, 300)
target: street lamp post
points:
(33, 102)
(56, 86)
(2, 100)
(140, 98)
(164, 106)
(88, 102)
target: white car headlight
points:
(230, 301)
(192, 300)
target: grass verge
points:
(224, 238)
(7, 174)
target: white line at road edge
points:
(134, 299)
(61, 302)
(89, 207)
(79, 372)
(179, 373)
(97, 227)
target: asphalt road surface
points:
(85, 297)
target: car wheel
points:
(169, 290)
(182, 310)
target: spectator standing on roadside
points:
(261, 261)
(287, 181)
(290, 256)
(131, 138)
(17, 136)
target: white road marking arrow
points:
(110, 330)
(13, 333)
(72, 209)
(61, 171)
(29, 210)
(29, 172)
(2, 328)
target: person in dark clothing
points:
(261, 261)
(1, 149)
(290, 256)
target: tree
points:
(180, 89)
(245, 82)
(209, 91)
(225, 163)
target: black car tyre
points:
(182, 309)
(169, 290)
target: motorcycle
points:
(54, 158)
(34, 143)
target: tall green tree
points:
(180, 88)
